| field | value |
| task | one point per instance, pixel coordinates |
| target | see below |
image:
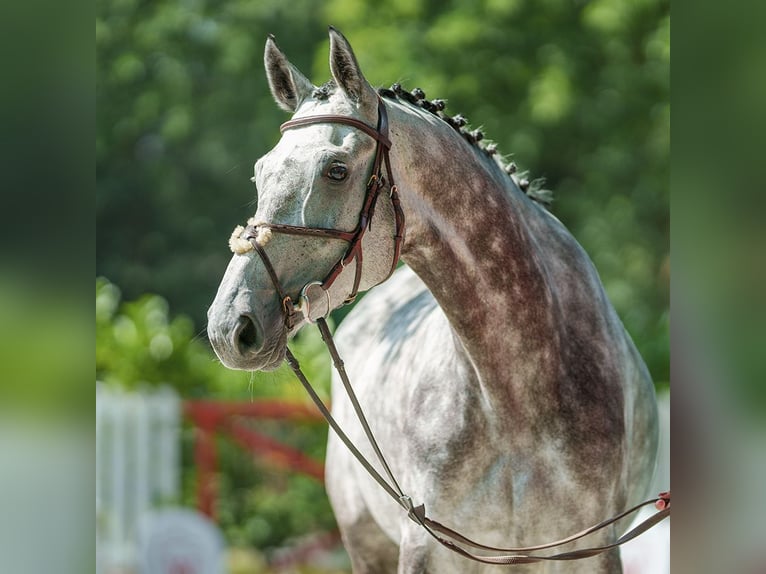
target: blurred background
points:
(575, 92)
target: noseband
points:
(376, 183)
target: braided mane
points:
(532, 188)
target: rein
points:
(445, 536)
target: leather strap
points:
(295, 366)
(380, 135)
(310, 231)
(288, 308)
(324, 330)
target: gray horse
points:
(496, 375)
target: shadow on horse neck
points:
(519, 291)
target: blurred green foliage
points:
(139, 344)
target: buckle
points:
(416, 513)
(663, 501)
(289, 309)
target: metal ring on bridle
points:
(305, 300)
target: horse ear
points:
(288, 86)
(345, 69)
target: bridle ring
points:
(305, 300)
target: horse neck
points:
(470, 239)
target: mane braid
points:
(533, 189)
(324, 91)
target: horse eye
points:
(337, 172)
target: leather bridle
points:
(445, 536)
(375, 184)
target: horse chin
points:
(267, 358)
(276, 357)
(256, 363)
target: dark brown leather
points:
(288, 307)
(380, 135)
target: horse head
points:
(300, 256)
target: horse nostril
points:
(247, 333)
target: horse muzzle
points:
(245, 340)
(245, 347)
(240, 340)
